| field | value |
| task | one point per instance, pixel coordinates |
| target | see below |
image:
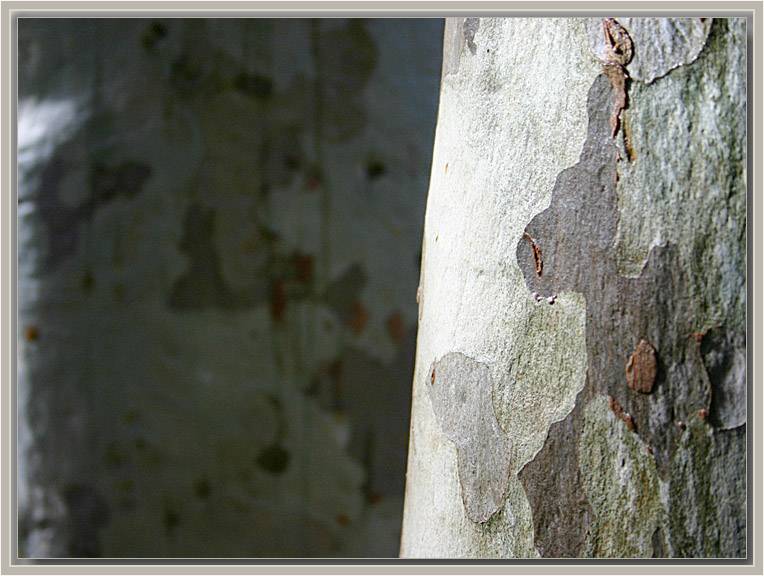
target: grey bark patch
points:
(725, 362)
(577, 235)
(378, 415)
(342, 294)
(469, 29)
(552, 477)
(348, 57)
(202, 285)
(688, 132)
(125, 179)
(460, 390)
(106, 183)
(660, 44)
(274, 459)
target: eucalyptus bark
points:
(580, 380)
(219, 223)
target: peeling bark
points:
(625, 469)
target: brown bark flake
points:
(536, 250)
(618, 43)
(31, 333)
(303, 267)
(641, 368)
(618, 78)
(618, 410)
(619, 52)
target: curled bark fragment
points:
(618, 410)
(619, 50)
(618, 45)
(537, 258)
(618, 78)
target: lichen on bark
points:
(611, 262)
(670, 298)
(621, 483)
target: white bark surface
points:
(511, 117)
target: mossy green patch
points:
(621, 483)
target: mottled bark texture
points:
(219, 226)
(643, 234)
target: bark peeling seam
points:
(460, 389)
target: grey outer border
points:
(10, 11)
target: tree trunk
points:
(580, 388)
(219, 227)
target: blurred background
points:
(219, 233)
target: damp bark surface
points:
(657, 417)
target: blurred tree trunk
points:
(219, 225)
(580, 388)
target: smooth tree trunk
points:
(219, 224)
(580, 386)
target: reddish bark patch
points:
(619, 52)
(334, 369)
(303, 267)
(536, 251)
(31, 333)
(618, 77)
(278, 300)
(618, 410)
(343, 519)
(396, 328)
(358, 318)
(313, 178)
(641, 368)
